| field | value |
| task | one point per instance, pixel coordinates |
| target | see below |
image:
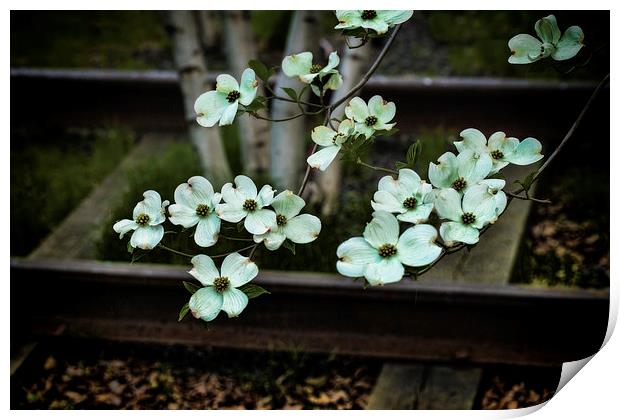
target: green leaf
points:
(129, 248)
(191, 287)
(413, 153)
(401, 165)
(289, 245)
(260, 69)
(527, 182)
(240, 226)
(292, 93)
(184, 310)
(253, 290)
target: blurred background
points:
(102, 110)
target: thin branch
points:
(232, 252)
(162, 246)
(376, 168)
(520, 197)
(231, 238)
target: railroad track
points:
(430, 321)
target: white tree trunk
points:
(253, 133)
(210, 28)
(191, 66)
(287, 138)
(352, 66)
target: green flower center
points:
(369, 14)
(387, 250)
(221, 284)
(315, 68)
(370, 120)
(496, 154)
(143, 219)
(468, 218)
(233, 95)
(410, 203)
(202, 210)
(459, 184)
(250, 205)
(280, 219)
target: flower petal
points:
(302, 229)
(225, 83)
(209, 108)
(524, 49)
(527, 152)
(297, 64)
(569, 45)
(182, 215)
(382, 229)
(479, 201)
(207, 231)
(547, 29)
(452, 232)
(260, 221)
(288, 204)
(385, 201)
(147, 237)
(474, 166)
(376, 25)
(384, 111)
(388, 270)
(234, 302)
(473, 139)
(323, 136)
(206, 303)
(353, 256)
(248, 88)
(394, 17)
(418, 215)
(204, 269)
(358, 110)
(239, 269)
(265, 196)
(448, 204)
(332, 63)
(323, 158)
(444, 173)
(231, 212)
(334, 82)
(124, 226)
(228, 116)
(416, 246)
(272, 239)
(246, 186)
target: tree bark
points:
(352, 67)
(191, 66)
(288, 138)
(209, 28)
(253, 133)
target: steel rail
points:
(427, 320)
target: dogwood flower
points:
(301, 66)
(459, 172)
(502, 150)
(405, 196)
(525, 49)
(220, 292)
(332, 142)
(377, 20)
(495, 187)
(466, 214)
(148, 215)
(243, 201)
(379, 255)
(372, 117)
(222, 103)
(297, 228)
(195, 203)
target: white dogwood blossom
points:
(372, 117)
(301, 66)
(407, 196)
(459, 172)
(380, 254)
(220, 291)
(331, 141)
(148, 215)
(377, 20)
(195, 203)
(222, 103)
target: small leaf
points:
(256, 105)
(400, 165)
(316, 90)
(129, 248)
(240, 226)
(413, 153)
(527, 182)
(253, 290)
(191, 287)
(184, 310)
(292, 93)
(260, 69)
(289, 245)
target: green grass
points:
(51, 171)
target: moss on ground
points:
(51, 171)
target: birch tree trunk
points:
(287, 138)
(191, 66)
(209, 28)
(352, 66)
(253, 133)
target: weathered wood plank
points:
(416, 386)
(77, 235)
